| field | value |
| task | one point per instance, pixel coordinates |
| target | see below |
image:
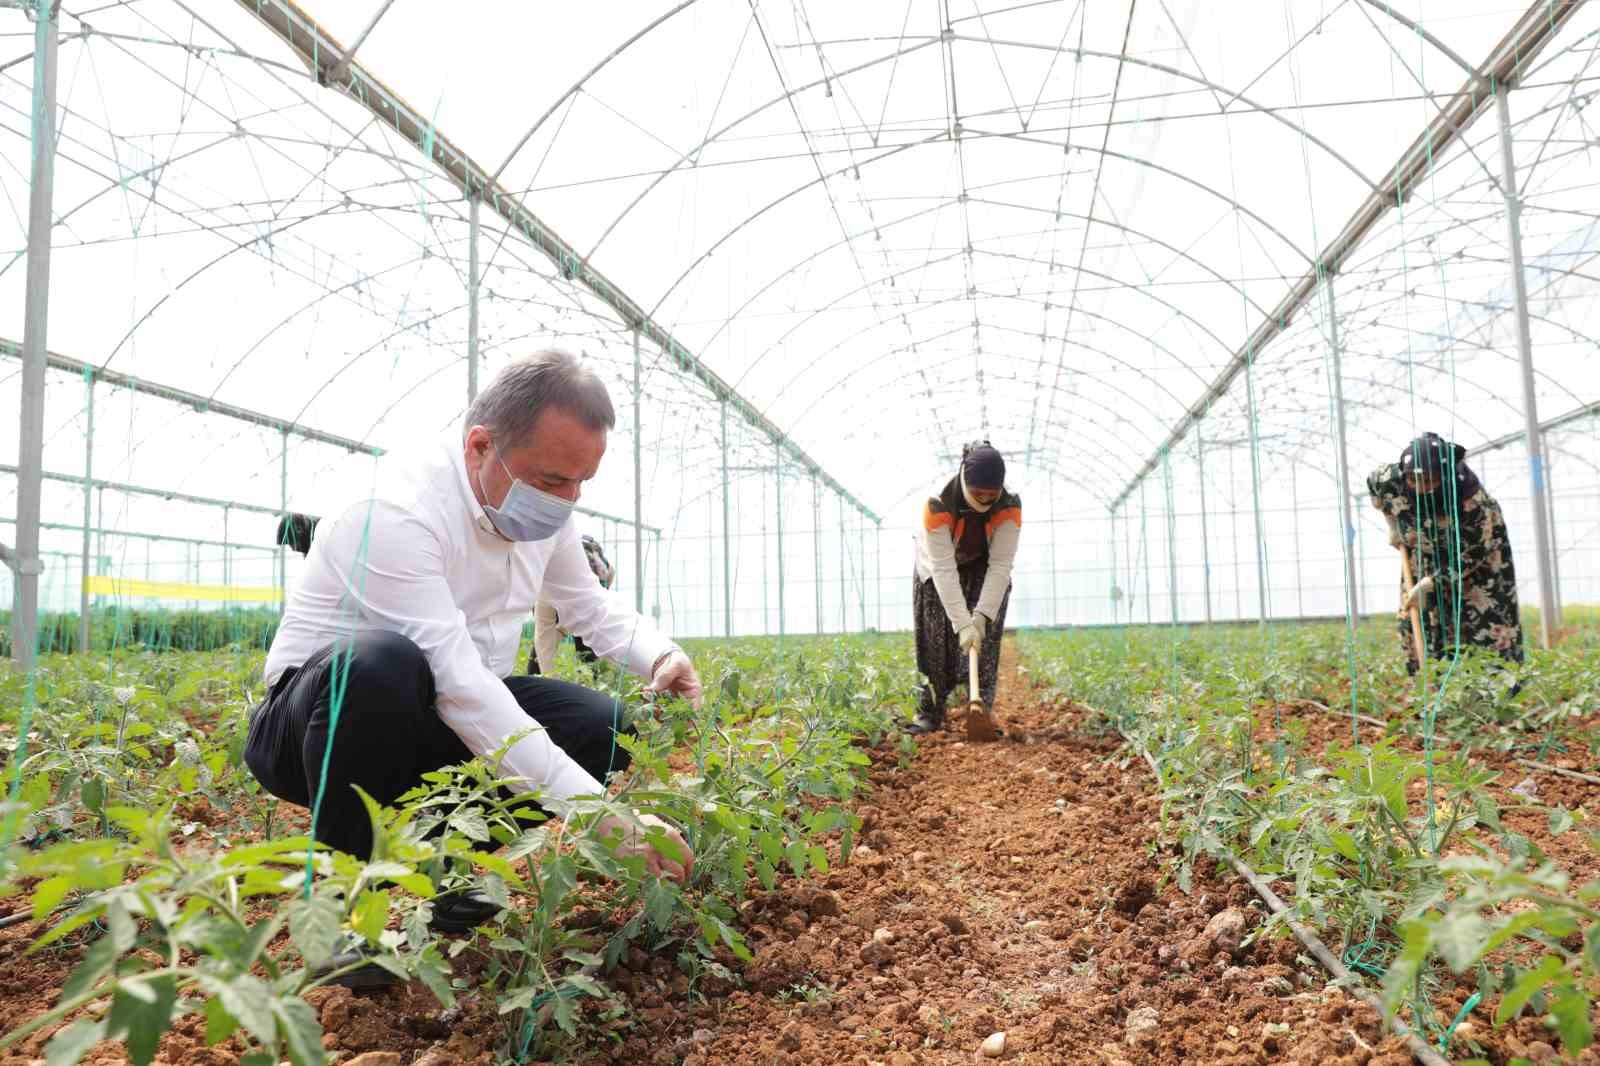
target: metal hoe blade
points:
(980, 724)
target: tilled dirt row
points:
(1011, 888)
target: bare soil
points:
(1011, 887)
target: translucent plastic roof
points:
(890, 227)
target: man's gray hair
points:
(522, 390)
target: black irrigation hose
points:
(1313, 943)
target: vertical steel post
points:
(727, 554)
(844, 600)
(816, 545)
(777, 450)
(655, 607)
(1555, 546)
(877, 572)
(638, 484)
(473, 282)
(766, 616)
(1172, 534)
(1116, 578)
(1055, 599)
(1144, 550)
(1294, 518)
(861, 554)
(36, 317)
(1352, 595)
(227, 559)
(1205, 521)
(283, 513)
(1549, 613)
(1255, 487)
(88, 504)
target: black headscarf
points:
(1439, 460)
(982, 466)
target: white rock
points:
(993, 1046)
(883, 935)
(1140, 1019)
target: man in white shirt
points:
(410, 613)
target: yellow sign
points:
(127, 588)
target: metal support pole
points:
(638, 485)
(727, 554)
(877, 572)
(816, 545)
(1255, 489)
(844, 600)
(1549, 613)
(1294, 518)
(1144, 550)
(1550, 507)
(283, 513)
(1055, 600)
(1116, 606)
(36, 316)
(1172, 534)
(1205, 521)
(88, 504)
(861, 553)
(655, 607)
(766, 614)
(1352, 595)
(473, 284)
(227, 559)
(777, 467)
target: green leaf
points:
(766, 875)
(314, 927)
(1560, 820)
(219, 1023)
(93, 794)
(470, 824)
(660, 902)
(587, 985)
(818, 858)
(1571, 1011)
(141, 1011)
(96, 964)
(301, 1031)
(71, 1043)
(48, 894)
(559, 878)
(258, 1058)
(247, 999)
(370, 914)
(1345, 844)
(1459, 938)
(1527, 984)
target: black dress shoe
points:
(461, 911)
(925, 723)
(367, 978)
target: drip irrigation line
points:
(1560, 771)
(1313, 943)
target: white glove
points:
(628, 839)
(1419, 590)
(675, 673)
(970, 635)
(1395, 539)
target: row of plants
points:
(1404, 859)
(118, 627)
(180, 918)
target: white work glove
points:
(675, 673)
(629, 839)
(970, 635)
(1419, 590)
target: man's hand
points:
(1419, 590)
(675, 674)
(628, 839)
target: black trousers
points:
(389, 733)
(940, 660)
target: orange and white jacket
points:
(955, 534)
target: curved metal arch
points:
(1151, 64)
(821, 397)
(867, 284)
(579, 84)
(801, 371)
(1417, 28)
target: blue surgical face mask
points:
(526, 513)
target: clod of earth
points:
(1140, 1020)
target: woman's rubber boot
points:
(926, 722)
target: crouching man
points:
(412, 605)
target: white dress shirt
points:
(420, 558)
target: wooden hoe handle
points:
(973, 695)
(1407, 584)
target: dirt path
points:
(1011, 887)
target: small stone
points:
(1271, 1029)
(929, 1016)
(702, 1036)
(824, 905)
(1140, 1020)
(877, 953)
(1233, 1031)
(955, 923)
(883, 935)
(1277, 986)
(993, 1046)
(1538, 1050)
(435, 1056)
(1527, 788)
(920, 857)
(376, 1058)
(1226, 931)
(788, 1037)
(1036, 923)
